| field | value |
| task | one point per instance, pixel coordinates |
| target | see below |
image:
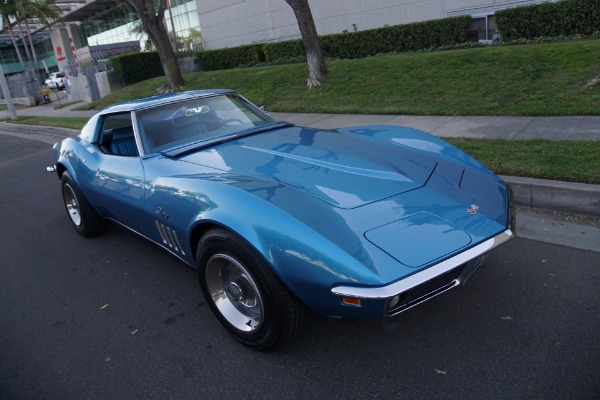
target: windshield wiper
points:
(192, 147)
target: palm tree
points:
(44, 11)
(7, 10)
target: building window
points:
(483, 28)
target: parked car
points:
(56, 80)
(360, 222)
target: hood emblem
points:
(473, 210)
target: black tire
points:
(240, 286)
(86, 221)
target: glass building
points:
(98, 24)
(121, 24)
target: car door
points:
(114, 172)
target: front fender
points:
(304, 260)
(307, 262)
(65, 157)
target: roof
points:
(153, 101)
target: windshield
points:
(204, 119)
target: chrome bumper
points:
(463, 264)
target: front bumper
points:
(428, 283)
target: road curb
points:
(57, 132)
(581, 198)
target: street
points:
(115, 317)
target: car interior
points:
(117, 136)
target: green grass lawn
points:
(571, 161)
(541, 79)
(72, 123)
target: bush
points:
(562, 18)
(136, 67)
(397, 39)
(289, 49)
(389, 39)
(233, 57)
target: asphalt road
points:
(116, 318)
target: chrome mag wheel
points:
(234, 292)
(72, 204)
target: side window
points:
(117, 135)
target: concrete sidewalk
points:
(537, 193)
(511, 128)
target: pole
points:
(7, 95)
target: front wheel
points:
(244, 293)
(86, 221)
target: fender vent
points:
(169, 237)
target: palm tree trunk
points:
(18, 51)
(34, 53)
(14, 42)
(24, 42)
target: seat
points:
(188, 127)
(123, 142)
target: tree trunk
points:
(17, 49)
(33, 83)
(34, 53)
(24, 43)
(152, 21)
(317, 70)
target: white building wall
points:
(229, 23)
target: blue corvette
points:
(361, 222)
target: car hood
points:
(377, 193)
(346, 171)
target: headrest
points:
(186, 121)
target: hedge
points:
(231, 57)
(397, 39)
(136, 67)
(389, 39)
(562, 18)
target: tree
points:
(152, 16)
(6, 28)
(44, 11)
(20, 11)
(8, 11)
(317, 70)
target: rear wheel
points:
(244, 293)
(86, 221)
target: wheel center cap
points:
(234, 292)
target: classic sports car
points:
(362, 222)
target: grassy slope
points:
(543, 79)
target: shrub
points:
(231, 57)
(136, 67)
(289, 49)
(389, 39)
(397, 39)
(562, 18)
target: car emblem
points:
(473, 210)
